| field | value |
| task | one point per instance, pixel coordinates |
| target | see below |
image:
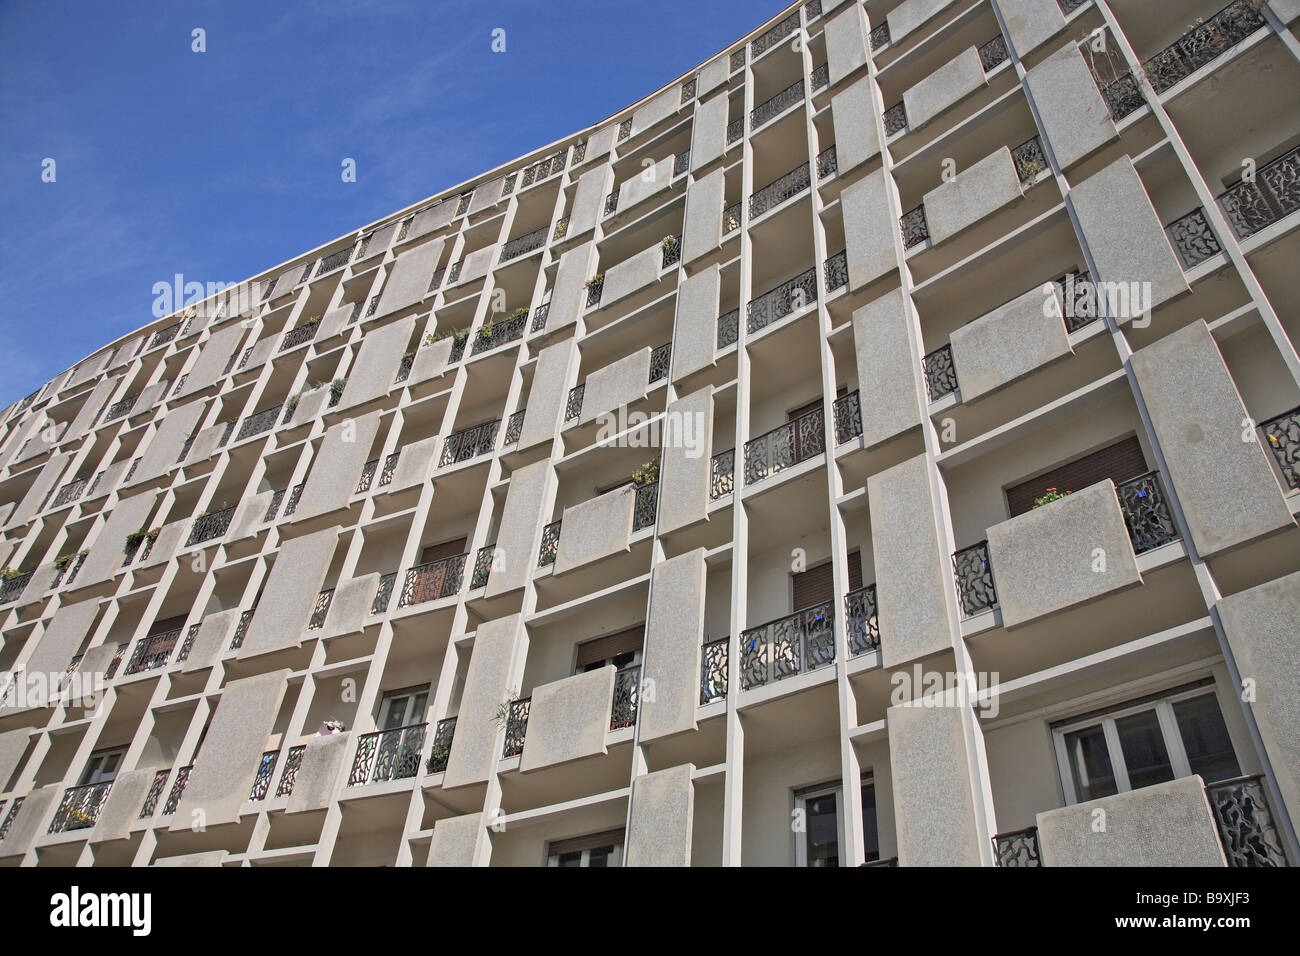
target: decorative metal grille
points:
(993, 53)
(540, 315)
(1018, 848)
(404, 369)
(659, 360)
(625, 129)
(499, 333)
(550, 544)
(367, 476)
(388, 755)
(9, 820)
(627, 695)
(812, 9)
(974, 576)
(820, 77)
(274, 507)
(837, 271)
(1275, 193)
(1247, 828)
(516, 727)
(646, 507)
(433, 581)
(296, 337)
(514, 426)
(508, 185)
(681, 162)
(1069, 6)
(1282, 437)
(848, 417)
(153, 651)
(915, 228)
(779, 191)
(469, 443)
(722, 474)
(1078, 300)
(864, 625)
(259, 422)
(713, 671)
(482, 566)
(384, 593)
(440, 752)
(241, 629)
(1201, 44)
(579, 152)
(731, 218)
(265, 771)
(573, 407)
(1029, 160)
(334, 260)
(524, 244)
(611, 202)
(178, 790)
(211, 525)
(289, 776)
(770, 109)
(595, 288)
(12, 587)
(155, 793)
(120, 408)
(1123, 96)
(80, 807)
(1192, 238)
(880, 35)
(827, 163)
(775, 35)
(735, 130)
(940, 372)
(188, 644)
(737, 59)
(561, 228)
(795, 644)
(163, 336)
(785, 446)
(320, 610)
(389, 469)
(728, 328)
(1146, 512)
(790, 296)
(463, 203)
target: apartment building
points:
(880, 445)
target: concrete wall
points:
(1075, 117)
(709, 134)
(459, 841)
(568, 719)
(632, 275)
(662, 819)
(911, 14)
(647, 183)
(888, 371)
(695, 334)
(674, 636)
(290, 593)
(945, 87)
(846, 42)
(549, 394)
(589, 201)
(349, 606)
(336, 468)
(618, 383)
(47, 481)
(973, 194)
(108, 551)
(702, 226)
(869, 229)
(122, 806)
(1009, 342)
(569, 297)
(686, 468)
(474, 752)
(853, 113)
(165, 446)
(313, 788)
(28, 819)
(596, 529)
(408, 280)
(215, 634)
(1030, 23)
(372, 374)
(415, 463)
(529, 498)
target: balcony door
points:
(596, 850)
(822, 816)
(102, 766)
(402, 708)
(1119, 462)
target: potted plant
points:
(336, 388)
(647, 474)
(8, 574)
(596, 280)
(518, 314)
(1048, 496)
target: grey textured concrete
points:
(1124, 234)
(475, 265)
(150, 395)
(27, 822)
(409, 278)
(661, 823)
(532, 489)
(430, 361)
(1047, 559)
(632, 275)
(846, 42)
(225, 768)
(107, 553)
(334, 321)
(13, 744)
(1226, 486)
(1009, 342)
(549, 393)
(695, 335)
(122, 806)
(313, 788)
(37, 586)
(869, 229)
(1075, 117)
(486, 195)
(600, 142)
(712, 75)
(973, 194)
(569, 297)
(702, 226)
(336, 467)
(125, 353)
(1030, 23)
(945, 87)
(215, 634)
(596, 529)
(686, 466)
(248, 516)
(856, 137)
(589, 200)
(48, 480)
(618, 383)
(1286, 10)
(910, 14)
(1260, 624)
(45, 436)
(914, 586)
(934, 808)
(372, 374)
(207, 858)
(285, 283)
(165, 446)
(349, 606)
(262, 350)
(290, 593)
(111, 475)
(458, 841)
(660, 107)
(165, 546)
(90, 409)
(62, 638)
(1168, 824)
(709, 134)
(674, 637)
(88, 369)
(568, 719)
(434, 217)
(474, 752)
(206, 444)
(888, 373)
(415, 464)
(647, 183)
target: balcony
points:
(550, 544)
(1146, 512)
(789, 297)
(241, 629)
(1193, 238)
(80, 807)
(212, 525)
(13, 586)
(155, 793)
(1245, 821)
(827, 163)
(440, 752)
(940, 373)
(514, 428)
(773, 37)
(482, 566)
(974, 574)
(516, 718)
(120, 408)
(163, 336)
(496, 334)
(540, 315)
(334, 260)
(646, 507)
(188, 644)
(433, 581)
(779, 191)
(299, 335)
(320, 609)
(916, 230)
(178, 790)
(384, 593)
(385, 476)
(259, 422)
(1274, 194)
(728, 328)
(895, 119)
(713, 671)
(469, 443)
(785, 446)
(265, 771)
(1282, 438)
(1203, 43)
(1018, 848)
(522, 245)
(791, 645)
(847, 413)
(292, 763)
(863, 623)
(388, 755)
(627, 687)
(722, 474)
(70, 492)
(770, 109)
(153, 651)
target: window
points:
(817, 586)
(102, 766)
(622, 649)
(822, 810)
(595, 850)
(1145, 742)
(1118, 462)
(448, 549)
(401, 708)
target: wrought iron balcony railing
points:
(646, 507)
(573, 406)
(80, 807)
(265, 771)
(785, 446)
(469, 443)
(178, 790)
(211, 525)
(837, 271)
(547, 167)
(681, 162)
(940, 373)
(791, 645)
(10, 588)
(155, 793)
(274, 507)
(369, 469)
(516, 727)
(241, 629)
(1122, 96)
(440, 752)
(1079, 300)
(1273, 194)
(1029, 160)
(433, 581)
(660, 357)
(993, 53)
(779, 191)
(294, 497)
(880, 35)
(289, 776)
(722, 474)
(827, 163)
(320, 609)
(611, 202)
(1146, 512)
(522, 245)
(863, 622)
(550, 544)
(303, 333)
(820, 77)
(974, 575)
(1282, 438)
(1246, 824)
(163, 336)
(895, 119)
(728, 328)
(595, 289)
(735, 130)
(1069, 6)
(713, 670)
(848, 417)
(499, 334)
(514, 427)
(789, 297)
(259, 422)
(9, 819)
(672, 249)
(187, 645)
(627, 695)
(153, 651)
(383, 593)
(737, 59)
(334, 260)
(1203, 43)
(770, 38)
(120, 408)
(540, 315)
(1018, 848)
(731, 218)
(388, 755)
(1193, 238)
(770, 109)
(482, 566)
(69, 569)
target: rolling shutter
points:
(817, 585)
(611, 645)
(1118, 462)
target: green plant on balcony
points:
(8, 574)
(485, 331)
(337, 386)
(596, 280)
(63, 560)
(518, 313)
(561, 228)
(77, 819)
(1050, 495)
(668, 242)
(647, 474)
(502, 714)
(306, 321)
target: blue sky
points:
(220, 164)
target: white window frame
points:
(615, 856)
(1171, 735)
(801, 798)
(409, 714)
(94, 772)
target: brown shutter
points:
(817, 585)
(611, 645)
(448, 549)
(1118, 462)
(589, 842)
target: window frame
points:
(801, 796)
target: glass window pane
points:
(571, 859)
(1090, 763)
(871, 836)
(823, 839)
(1145, 754)
(600, 856)
(1205, 738)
